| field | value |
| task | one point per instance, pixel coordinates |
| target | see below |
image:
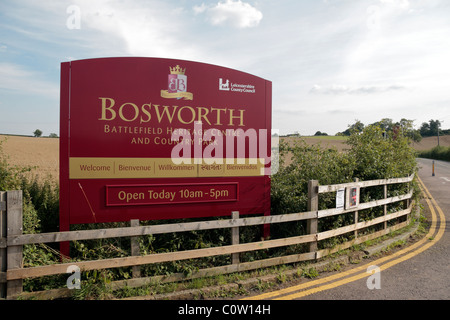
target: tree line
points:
(404, 127)
(432, 128)
(38, 133)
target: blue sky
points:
(331, 62)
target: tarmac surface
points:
(425, 275)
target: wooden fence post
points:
(14, 223)
(406, 204)
(235, 238)
(135, 250)
(313, 205)
(385, 206)
(355, 215)
(2, 245)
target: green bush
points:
(377, 157)
(370, 156)
(437, 153)
(289, 187)
(40, 203)
(40, 196)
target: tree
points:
(379, 157)
(385, 124)
(430, 128)
(37, 133)
(388, 128)
(425, 129)
(408, 130)
(435, 125)
(357, 127)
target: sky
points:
(331, 62)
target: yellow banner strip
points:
(113, 168)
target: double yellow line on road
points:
(301, 290)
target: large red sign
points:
(149, 138)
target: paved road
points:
(423, 273)
(439, 185)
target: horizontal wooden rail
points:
(190, 226)
(361, 225)
(360, 239)
(157, 229)
(365, 205)
(22, 273)
(364, 184)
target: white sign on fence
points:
(340, 198)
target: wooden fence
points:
(12, 240)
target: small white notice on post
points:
(340, 198)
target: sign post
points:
(150, 139)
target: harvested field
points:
(324, 141)
(431, 142)
(30, 151)
(427, 143)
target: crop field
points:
(431, 142)
(326, 141)
(43, 153)
(426, 143)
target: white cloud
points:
(235, 13)
(401, 4)
(156, 29)
(352, 90)
(200, 9)
(16, 78)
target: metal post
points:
(433, 170)
(438, 137)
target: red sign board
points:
(150, 138)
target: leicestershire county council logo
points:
(177, 85)
(224, 86)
